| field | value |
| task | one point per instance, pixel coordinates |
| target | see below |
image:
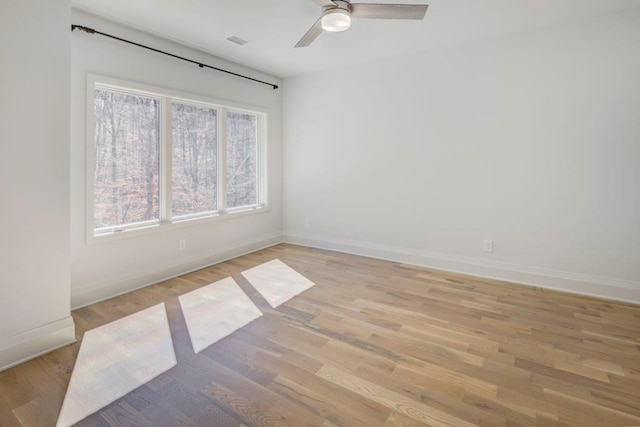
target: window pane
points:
(242, 155)
(126, 153)
(194, 170)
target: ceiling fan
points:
(337, 14)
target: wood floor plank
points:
(395, 401)
(199, 408)
(398, 419)
(435, 397)
(333, 407)
(589, 412)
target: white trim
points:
(89, 159)
(583, 284)
(222, 160)
(263, 160)
(101, 291)
(178, 222)
(37, 342)
(166, 162)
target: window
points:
(242, 154)
(194, 159)
(158, 158)
(126, 157)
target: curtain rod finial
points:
(83, 28)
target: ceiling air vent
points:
(237, 40)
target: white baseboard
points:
(37, 342)
(601, 287)
(104, 290)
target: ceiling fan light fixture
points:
(336, 20)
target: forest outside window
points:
(158, 158)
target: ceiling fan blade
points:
(388, 11)
(311, 34)
(324, 2)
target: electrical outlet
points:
(487, 245)
(307, 223)
(182, 245)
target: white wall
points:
(34, 178)
(104, 268)
(532, 141)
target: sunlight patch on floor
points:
(215, 311)
(115, 359)
(277, 282)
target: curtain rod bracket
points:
(93, 31)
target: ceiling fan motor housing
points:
(337, 17)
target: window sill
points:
(144, 230)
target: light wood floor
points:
(374, 343)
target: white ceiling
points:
(273, 27)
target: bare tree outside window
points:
(194, 164)
(126, 153)
(242, 159)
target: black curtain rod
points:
(199, 64)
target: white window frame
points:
(166, 97)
